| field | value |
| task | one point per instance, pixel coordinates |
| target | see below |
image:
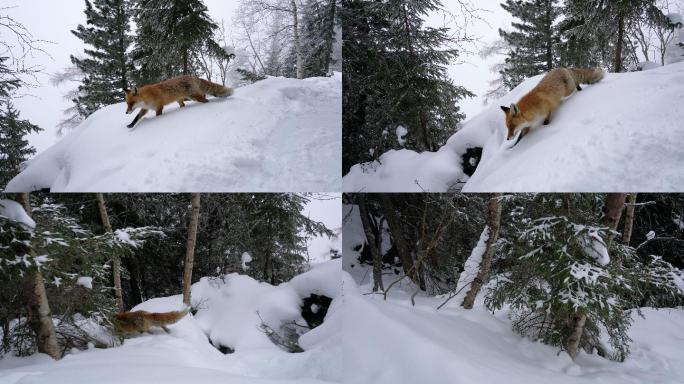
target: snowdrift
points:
(621, 134)
(227, 316)
(275, 135)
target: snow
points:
(474, 346)
(596, 248)
(471, 267)
(650, 235)
(13, 211)
(85, 281)
(401, 132)
(278, 134)
(245, 258)
(226, 315)
(609, 137)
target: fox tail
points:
(216, 90)
(587, 76)
(165, 318)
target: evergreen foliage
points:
(14, 147)
(395, 74)
(107, 66)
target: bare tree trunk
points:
(618, 44)
(372, 244)
(629, 218)
(116, 261)
(493, 221)
(615, 203)
(297, 40)
(398, 237)
(576, 336)
(37, 305)
(190, 248)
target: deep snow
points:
(227, 316)
(621, 134)
(421, 344)
(277, 135)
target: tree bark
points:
(37, 305)
(398, 237)
(190, 248)
(297, 40)
(615, 203)
(576, 336)
(329, 47)
(618, 44)
(116, 261)
(629, 218)
(493, 221)
(372, 244)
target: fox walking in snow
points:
(156, 96)
(537, 105)
(142, 321)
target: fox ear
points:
(135, 91)
(514, 109)
(126, 90)
(505, 109)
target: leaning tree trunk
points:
(116, 260)
(372, 244)
(190, 248)
(398, 238)
(493, 221)
(297, 39)
(37, 305)
(629, 218)
(612, 210)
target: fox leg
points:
(165, 329)
(199, 97)
(547, 120)
(160, 110)
(181, 103)
(579, 88)
(525, 132)
(142, 113)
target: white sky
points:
(53, 20)
(474, 73)
(328, 210)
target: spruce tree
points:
(318, 36)
(396, 76)
(14, 148)
(532, 43)
(106, 67)
(169, 33)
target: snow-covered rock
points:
(278, 134)
(621, 134)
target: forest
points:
(572, 271)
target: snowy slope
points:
(276, 135)
(226, 316)
(621, 134)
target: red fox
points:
(142, 321)
(538, 104)
(178, 89)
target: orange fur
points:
(156, 96)
(142, 321)
(538, 104)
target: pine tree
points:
(318, 36)
(14, 148)
(395, 71)
(106, 67)
(169, 32)
(532, 44)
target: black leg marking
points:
(547, 121)
(137, 118)
(579, 88)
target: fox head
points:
(132, 99)
(514, 120)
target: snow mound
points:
(621, 134)
(13, 211)
(226, 316)
(278, 134)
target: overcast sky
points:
(474, 73)
(326, 208)
(53, 20)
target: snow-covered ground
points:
(393, 342)
(227, 316)
(276, 135)
(621, 134)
